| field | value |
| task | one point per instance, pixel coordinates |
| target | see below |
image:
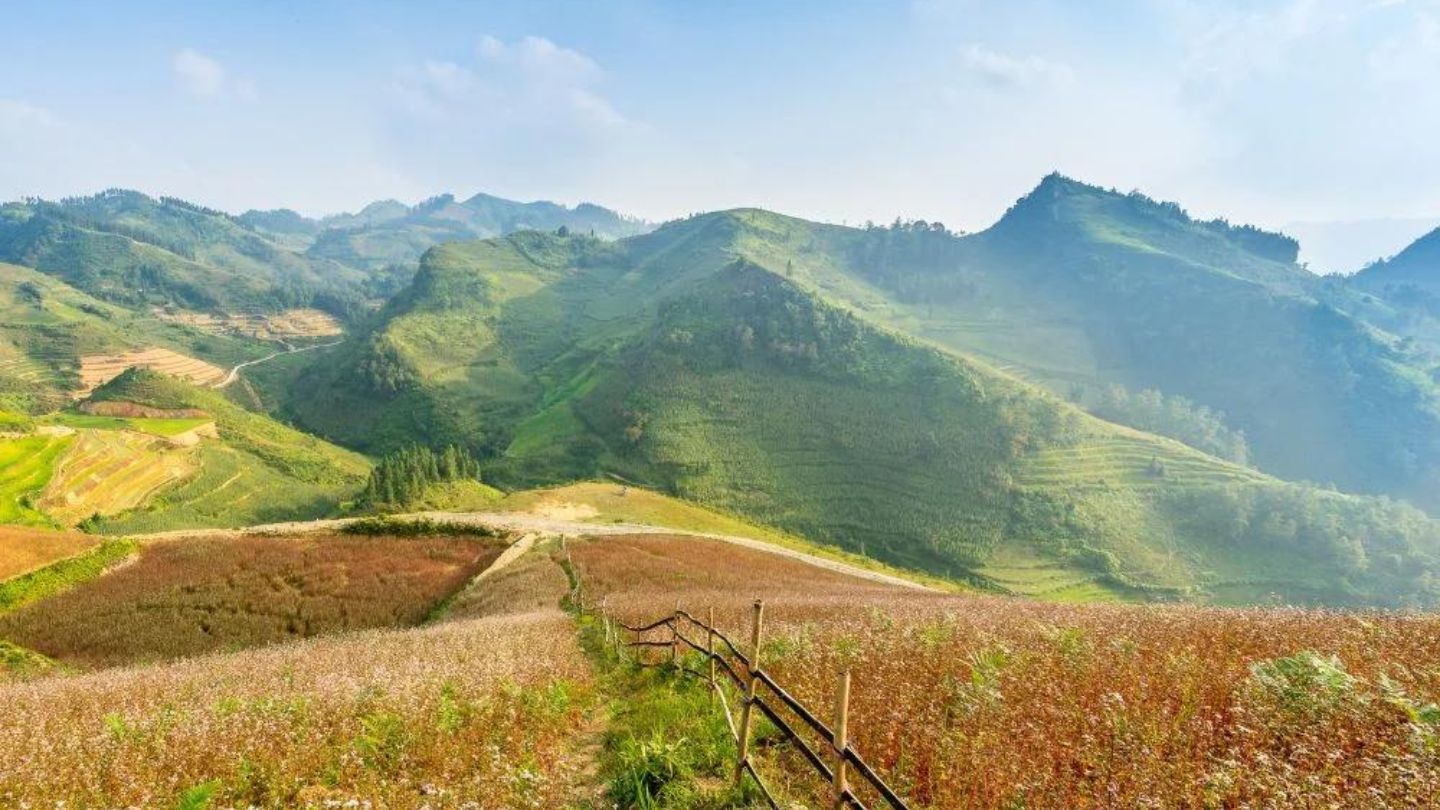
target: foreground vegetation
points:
(467, 714)
(984, 702)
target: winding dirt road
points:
(539, 526)
(235, 372)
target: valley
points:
(398, 512)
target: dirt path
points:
(235, 372)
(552, 527)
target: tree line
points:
(404, 475)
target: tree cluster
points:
(403, 476)
(1176, 417)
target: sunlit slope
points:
(1078, 287)
(256, 471)
(735, 383)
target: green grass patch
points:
(155, 427)
(415, 527)
(26, 465)
(64, 574)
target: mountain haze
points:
(743, 360)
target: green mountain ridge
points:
(130, 249)
(731, 359)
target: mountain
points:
(1417, 265)
(130, 249)
(740, 359)
(389, 232)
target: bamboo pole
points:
(841, 741)
(748, 710)
(675, 633)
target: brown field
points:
(24, 550)
(198, 595)
(109, 471)
(98, 369)
(532, 582)
(479, 713)
(991, 702)
(292, 323)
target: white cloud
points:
(1005, 70)
(529, 82)
(204, 77)
(197, 73)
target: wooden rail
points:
(836, 761)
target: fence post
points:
(841, 741)
(675, 633)
(710, 651)
(750, 680)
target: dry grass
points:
(24, 550)
(191, 596)
(291, 323)
(98, 369)
(990, 702)
(473, 714)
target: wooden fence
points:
(837, 761)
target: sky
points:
(1290, 111)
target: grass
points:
(62, 575)
(26, 465)
(155, 427)
(24, 550)
(232, 489)
(198, 595)
(615, 502)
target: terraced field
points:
(291, 323)
(1030, 573)
(1132, 461)
(231, 489)
(26, 465)
(98, 369)
(109, 471)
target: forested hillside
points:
(691, 360)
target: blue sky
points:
(1269, 112)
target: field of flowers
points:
(476, 714)
(208, 594)
(991, 702)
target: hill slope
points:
(258, 471)
(47, 327)
(685, 361)
(130, 249)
